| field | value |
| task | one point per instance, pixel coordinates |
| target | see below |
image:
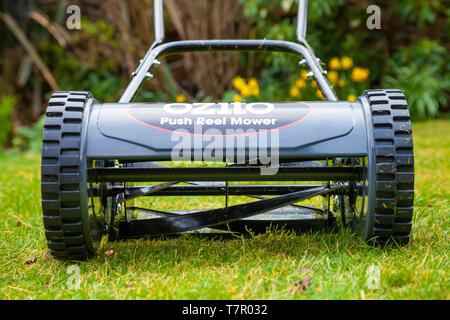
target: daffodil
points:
(180, 98)
(366, 74)
(314, 84)
(237, 98)
(246, 91)
(335, 64)
(360, 74)
(341, 83)
(346, 62)
(300, 83)
(351, 98)
(333, 76)
(255, 91)
(253, 84)
(238, 83)
(319, 94)
(303, 75)
(294, 92)
(254, 87)
(356, 74)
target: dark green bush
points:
(421, 71)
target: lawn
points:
(261, 267)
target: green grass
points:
(263, 267)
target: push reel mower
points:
(355, 159)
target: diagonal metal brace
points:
(208, 218)
(129, 195)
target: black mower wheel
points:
(70, 233)
(393, 142)
(380, 208)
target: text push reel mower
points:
(357, 158)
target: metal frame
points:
(159, 49)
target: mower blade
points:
(280, 213)
(156, 212)
(208, 218)
(294, 206)
(290, 218)
(259, 226)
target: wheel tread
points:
(60, 177)
(395, 166)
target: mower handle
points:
(158, 12)
(174, 47)
(159, 49)
(302, 19)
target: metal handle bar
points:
(158, 12)
(302, 19)
(228, 45)
(160, 49)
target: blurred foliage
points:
(29, 138)
(6, 106)
(410, 52)
(417, 69)
(100, 79)
(398, 56)
(420, 12)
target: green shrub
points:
(422, 72)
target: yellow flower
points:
(360, 74)
(341, 83)
(238, 82)
(319, 94)
(346, 62)
(255, 91)
(366, 73)
(303, 74)
(253, 84)
(180, 98)
(333, 76)
(237, 98)
(314, 84)
(246, 91)
(351, 98)
(294, 92)
(300, 83)
(335, 64)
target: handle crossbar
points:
(160, 49)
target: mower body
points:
(299, 130)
